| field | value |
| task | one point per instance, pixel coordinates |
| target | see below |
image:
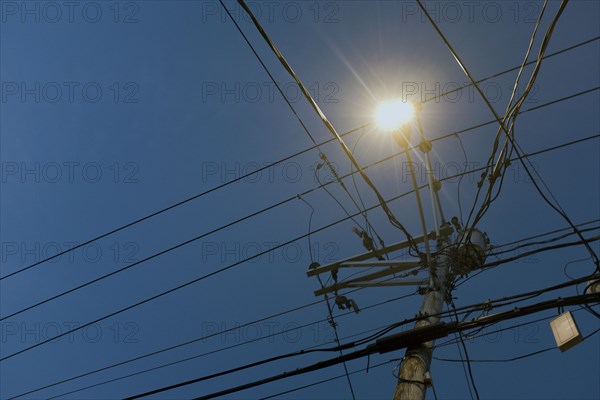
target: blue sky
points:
(113, 110)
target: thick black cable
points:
(362, 341)
(477, 335)
(401, 340)
(232, 370)
(495, 319)
(382, 364)
(379, 332)
(385, 363)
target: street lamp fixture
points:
(392, 115)
(395, 117)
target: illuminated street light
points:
(391, 115)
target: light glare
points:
(392, 115)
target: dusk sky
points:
(113, 110)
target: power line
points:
(180, 203)
(398, 341)
(249, 258)
(493, 247)
(392, 218)
(468, 360)
(551, 240)
(287, 101)
(486, 305)
(516, 68)
(268, 208)
(324, 380)
(525, 239)
(515, 146)
(249, 174)
(533, 353)
(204, 337)
(212, 352)
(535, 293)
(390, 361)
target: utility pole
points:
(414, 377)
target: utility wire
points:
(240, 178)
(204, 337)
(582, 224)
(551, 240)
(523, 240)
(463, 310)
(212, 352)
(391, 361)
(324, 381)
(516, 358)
(348, 345)
(486, 305)
(529, 294)
(393, 220)
(516, 68)
(287, 101)
(47, 340)
(398, 341)
(509, 137)
(268, 208)
(470, 379)
(330, 312)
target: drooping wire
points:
(312, 211)
(371, 229)
(330, 317)
(318, 179)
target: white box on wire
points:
(565, 331)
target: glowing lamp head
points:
(391, 115)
